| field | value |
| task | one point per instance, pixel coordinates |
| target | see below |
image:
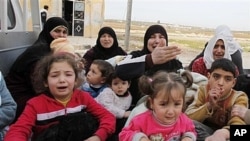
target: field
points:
(190, 39)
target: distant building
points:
(85, 17)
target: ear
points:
(234, 82)
(208, 75)
(103, 80)
(150, 100)
(45, 84)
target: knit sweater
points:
(219, 117)
(43, 111)
(115, 104)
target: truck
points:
(20, 26)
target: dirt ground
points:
(176, 34)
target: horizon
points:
(197, 13)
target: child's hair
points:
(43, 67)
(167, 81)
(224, 64)
(113, 76)
(105, 68)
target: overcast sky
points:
(203, 13)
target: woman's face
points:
(59, 32)
(156, 40)
(106, 40)
(219, 49)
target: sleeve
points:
(107, 99)
(131, 132)
(198, 110)
(21, 130)
(242, 100)
(7, 105)
(130, 68)
(106, 119)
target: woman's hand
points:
(238, 110)
(164, 54)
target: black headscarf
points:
(106, 53)
(40, 48)
(149, 32)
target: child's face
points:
(61, 80)
(94, 75)
(167, 111)
(119, 86)
(221, 79)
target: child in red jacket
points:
(58, 104)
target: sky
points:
(202, 13)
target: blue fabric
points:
(86, 87)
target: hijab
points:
(225, 31)
(149, 32)
(40, 48)
(208, 53)
(106, 53)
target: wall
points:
(94, 14)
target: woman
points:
(216, 48)
(234, 48)
(156, 55)
(19, 78)
(106, 47)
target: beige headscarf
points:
(208, 53)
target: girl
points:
(164, 119)
(97, 77)
(18, 80)
(56, 77)
(106, 47)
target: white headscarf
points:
(208, 53)
(225, 31)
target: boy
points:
(211, 108)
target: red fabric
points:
(199, 66)
(44, 105)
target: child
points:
(213, 102)
(58, 103)
(62, 45)
(117, 99)
(97, 76)
(164, 119)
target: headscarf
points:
(225, 31)
(50, 25)
(208, 53)
(106, 53)
(149, 32)
(40, 48)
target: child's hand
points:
(144, 139)
(93, 138)
(126, 114)
(214, 95)
(186, 139)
